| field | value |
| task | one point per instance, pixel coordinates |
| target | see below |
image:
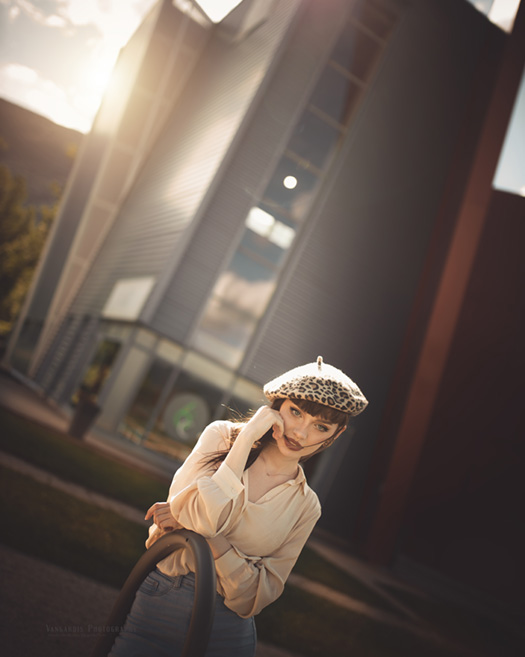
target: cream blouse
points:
(266, 536)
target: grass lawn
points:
(47, 523)
(314, 627)
(74, 460)
(44, 522)
(316, 568)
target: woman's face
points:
(304, 434)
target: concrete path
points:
(47, 611)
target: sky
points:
(56, 58)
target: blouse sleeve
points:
(200, 499)
(209, 503)
(252, 583)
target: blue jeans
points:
(160, 616)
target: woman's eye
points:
(295, 412)
(321, 427)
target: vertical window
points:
(136, 420)
(243, 291)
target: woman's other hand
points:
(162, 517)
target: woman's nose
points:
(300, 431)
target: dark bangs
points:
(320, 410)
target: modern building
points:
(292, 181)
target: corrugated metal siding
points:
(49, 366)
(80, 350)
(259, 148)
(146, 238)
(79, 185)
(351, 282)
(59, 369)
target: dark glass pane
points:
(336, 95)
(187, 411)
(357, 52)
(314, 140)
(145, 401)
(98, 371)
(376, 19)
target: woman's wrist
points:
(248, 436)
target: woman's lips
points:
(292, 444)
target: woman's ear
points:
(332, 439)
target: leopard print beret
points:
(318, 382)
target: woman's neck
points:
(277, 464)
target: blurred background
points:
(238, 192)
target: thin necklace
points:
(278, 474)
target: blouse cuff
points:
(227, 481)
(228, 563)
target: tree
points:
(23, 232)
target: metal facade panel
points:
(352, 280)
(259, 148)
(146, 239)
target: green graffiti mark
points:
(184, 418)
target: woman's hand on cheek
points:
(265, 418)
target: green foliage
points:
(23, 232)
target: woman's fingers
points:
(153, 508)
(279, 425)
(161, 514)
(264, 419)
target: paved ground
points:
(51, 612)
(48, 611)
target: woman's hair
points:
(315, 409)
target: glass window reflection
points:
(246, 284)
(376, 19)
(224, 332)
(134, 424)
(198, 402)
(262, 247)
(336, 95)
(314, 139)
(356, 52)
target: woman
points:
(242, 488)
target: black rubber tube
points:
(205, 586)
